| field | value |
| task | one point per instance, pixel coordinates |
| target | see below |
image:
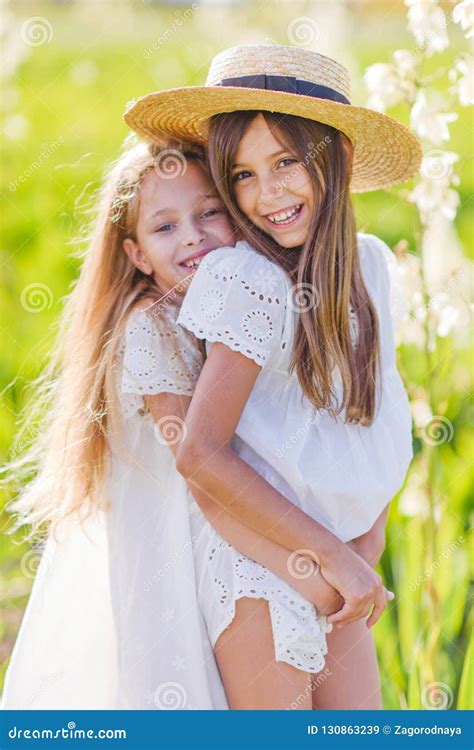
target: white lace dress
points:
(342, 475)
(126, 608)
(166, 555)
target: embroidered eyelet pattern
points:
(250, 571)
(212, 304)
(257, 326)
(225, 576)
(142, 363)
(156, 356)
(264, 283)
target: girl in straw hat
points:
(299, 322)
(114, 618)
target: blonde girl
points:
(324, 373)
(114, 619)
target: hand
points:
(312, 585)
(359, 585)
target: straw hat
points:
(293, 81)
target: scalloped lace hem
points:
(227, 338)
(299, 633)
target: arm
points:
(207, 461)
(246, 540)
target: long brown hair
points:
(72, 404)
(327, 263)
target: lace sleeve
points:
(237, 297)
(158, 356)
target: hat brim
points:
(385, 151)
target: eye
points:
(287, 159)
(163, 228)
(211, 212)
(239, 175)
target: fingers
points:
(380, 603)
(352, 611)
(344, 615)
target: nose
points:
(192, 234)
(268, 189)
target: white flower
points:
(421, 412)
(463, 14)
(428, 122)
(384, 86)
(463, 76)
(405, 63)
(390, 83)
(414, 501)
(432, 197)
(447, 319)
(450, 204)
(427, 23)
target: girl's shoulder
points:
(243, 262)
(238, 297)
(156, 355)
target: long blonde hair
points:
(327, 264)
(72, 403)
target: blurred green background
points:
(64, 95)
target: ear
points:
(137, 257)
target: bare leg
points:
(353, 680)
(252, 678)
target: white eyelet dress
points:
(174, 579)
(342, 475)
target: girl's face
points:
(272, 187)
(179, 221)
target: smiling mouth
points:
(194, 260)
(285, 217)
